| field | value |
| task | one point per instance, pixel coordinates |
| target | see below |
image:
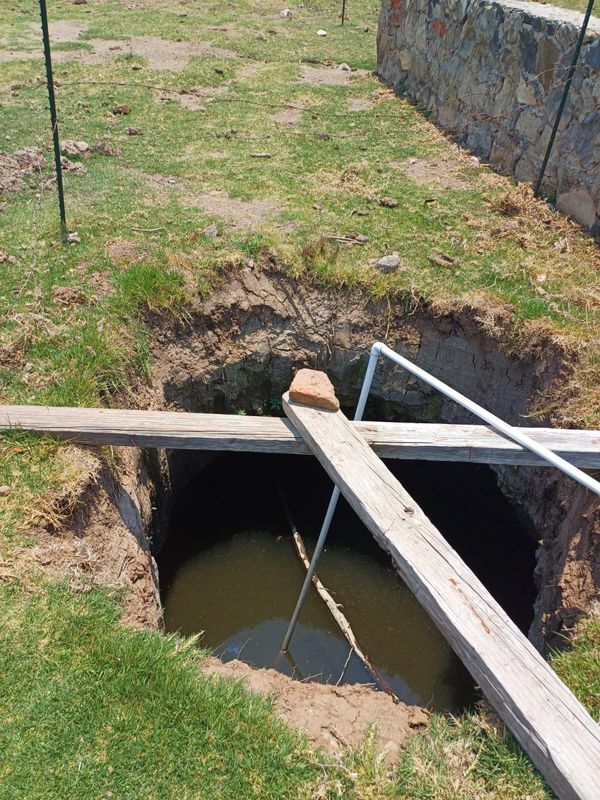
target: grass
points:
(74, 331)
(91, 709)
(572, 5)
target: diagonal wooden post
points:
(546, 718)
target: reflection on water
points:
(230, 569)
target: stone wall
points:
(492, 73)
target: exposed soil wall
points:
(107, 541)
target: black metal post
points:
(343, 11)
(54, 120)
(565, 94)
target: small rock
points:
(72, 166)
(72, 148)
(73, 238)
(80, 2)
(103, 147)
(321, 33)
(124, 110)
(388, 202)
(361, 238)
(389, 263)
(286, 13)
(344, 68)
(313, 388)
(261, 155)
(578, 205)
(211, 232)
(134, 131)
(4, 491)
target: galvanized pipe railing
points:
(381, 349)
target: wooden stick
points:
(549, 722)
(333, 607)
(327, 598)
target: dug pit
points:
(222, 543)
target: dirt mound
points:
(122, 253)
(15, 168)
(333, 717)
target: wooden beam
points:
(546, 718)
(174, 429)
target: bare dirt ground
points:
(339, 75)
(96, 535)
(333, 717)
(240, 213)
(435, 172)
(159, 53)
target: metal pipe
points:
(53, 119)
(343, 11)
(312, 568)
(563, 99)
(335, 496)
(495, 422)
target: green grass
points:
(474, 756)
(572, 5)
(90, 709)
(73, 319)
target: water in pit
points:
(230, 569)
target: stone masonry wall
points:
(492, 73)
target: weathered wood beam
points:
(173, 429)
(546, 718)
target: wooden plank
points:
(173, 429)
(546, 718)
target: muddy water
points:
(230, 569)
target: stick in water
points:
(333, 607)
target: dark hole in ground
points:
(229, 568)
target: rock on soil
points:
(73, 148)
(333, 717)
(389, 263)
